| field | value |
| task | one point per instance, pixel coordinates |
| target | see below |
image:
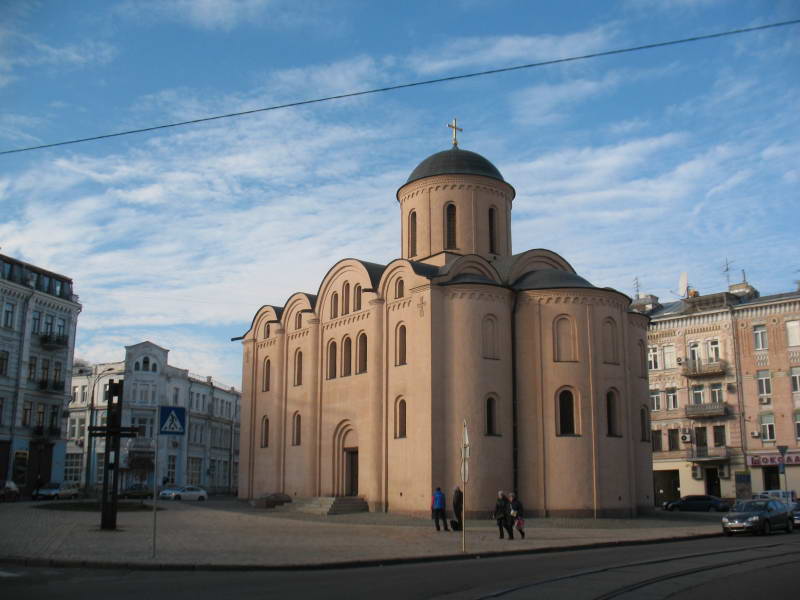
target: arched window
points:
(400, 350)
(298, 320)
(334, 305)
(564, 339)
(610, 343)
(347, 357)
(154, 367)
(644, 423)
(566, 413)
(264, 432)
(146, 363)
(612, 414)
(136, 366)
(400, 419)
(642, 360)
(399, 289)
(491, 416)
(450, 227)
(346, 298)
(266, 331)
(332, 364)
(489, 337)
(412, 234)
(357, 297)
(492, 230)
(361, 355)
(296, 428)
(298, 368)
(267, 375)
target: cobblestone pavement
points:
(229, 532)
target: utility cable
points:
(410, 85)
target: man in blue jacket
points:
(438, 511)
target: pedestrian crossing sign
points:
(172, 420)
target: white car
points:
(55, 491)
(187, 492)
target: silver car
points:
(187, 492)
(55, 491)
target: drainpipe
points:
(739, 396)
(514, 436)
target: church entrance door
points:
(351, 471)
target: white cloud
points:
(546, 104)
(500, 51)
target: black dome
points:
(455, 162)
(547, 279)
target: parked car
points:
(9, 492)
(56, 491)
(698, 503)
(795, 507)
(187, 492)
(787, 497)
(758, 516)
(137, 491)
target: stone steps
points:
(326, 505)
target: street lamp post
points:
(89, 438)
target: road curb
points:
(351, 564)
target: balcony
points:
(51, 386)
(52, 341)
(704, 368)
(706, 411)
(706, 453)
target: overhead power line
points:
(401, 86)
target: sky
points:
(638, 165)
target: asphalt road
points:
(735, 568)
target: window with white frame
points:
(767, 427)
(797, 425)
(694, 352)
(697, 394)
(760, 340)
(764, 384)
(669, 357)
(716, 392)
(72, 467)
(793, 333)
(652, 358)
(672, 399)
(195, 467)
(8, 315)
(795, 375)
(655, 400)
(712, 348)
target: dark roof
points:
(374, 270)
(455, 161)
(545, 279)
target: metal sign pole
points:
(464, 480)
(155, 488)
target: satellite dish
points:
(683, 284)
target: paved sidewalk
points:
(228, 533)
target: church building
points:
(362, 388)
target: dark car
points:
(137, 491)
(795, 508)
(758, 516)
(9, 492)
(698, 503)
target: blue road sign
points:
(172, 420)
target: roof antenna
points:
(636, 287)
(744, 277)
(726, 269)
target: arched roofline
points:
(372, 271)
(276, 310)
(307, 301)
(514, 267)
(469, 263)
(415, 271)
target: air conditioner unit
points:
(679, 360)
(764, 400)
(731, 387)
(724, 471)
(697, 472)
(755, 434)
(686, 438)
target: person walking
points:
(501, 515)
(439, 509)
(517, 519)
(458, 509)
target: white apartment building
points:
(208, 455)
(37, 338)
(724, 392)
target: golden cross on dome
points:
(454, 126)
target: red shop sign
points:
(761, 460)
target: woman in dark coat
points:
(501, 515)
(516, 518)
